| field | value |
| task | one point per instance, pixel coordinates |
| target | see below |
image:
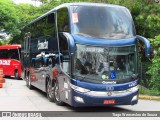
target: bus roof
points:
(74, 4)
(2, 47)
(86, 4)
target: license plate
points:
(109, 102)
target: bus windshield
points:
(10, 54)
(104, 63)
(102, 22)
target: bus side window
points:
(63, 20)
(63, 26)
(64, 50)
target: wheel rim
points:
(50, 89)
(57, 92)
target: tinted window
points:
(9, 54)
(43, 43)
(64, 50)
(104, 63)
(102, 22)
(3, 54)
(43, 27)
(43, 35)
(63, 20)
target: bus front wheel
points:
(50, 90)
(57, 94)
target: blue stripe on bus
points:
(102, 87)
(104, 42)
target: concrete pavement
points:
(15, 96)
(19, 84)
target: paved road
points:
(15, 96)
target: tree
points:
(8, 17)
(154, 69)
(26, 13)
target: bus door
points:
(64, 56)
(65, 66)
(26, 53)
(27, 50)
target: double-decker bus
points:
(10, 56)
(84, 54)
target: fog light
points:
(134, 98)
(78, 99)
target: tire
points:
(50, 90)
(57, 95)
(16, 75)
(28, 82)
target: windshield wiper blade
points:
(134, 76)
(82, 77)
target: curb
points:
(146, 97)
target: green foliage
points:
(154, 69)
(8, 17)
(26, 13)
(147, 91)
(144, 90)
(14, 17)
(148, 20)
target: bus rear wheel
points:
(50, 90)
(57, 94)
(16, 75)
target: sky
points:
(33, 2)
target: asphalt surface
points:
(15, 96)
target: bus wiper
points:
(81, 77)
(134, 76)
(83, 34)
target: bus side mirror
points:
(146, 44)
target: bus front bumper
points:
(108, 98)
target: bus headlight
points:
(79, 89)
(79, 99)
(134, 98)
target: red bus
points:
(10, 60)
